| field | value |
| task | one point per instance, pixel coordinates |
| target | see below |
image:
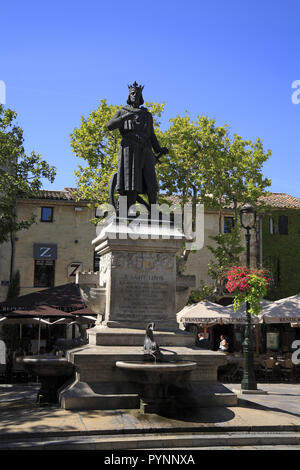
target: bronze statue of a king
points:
(136, 166)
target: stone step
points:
(154, 441)
(104, 336)
(115, 395)
(98, 396)
(97, 291)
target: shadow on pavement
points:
(200, 415)
(243, 402)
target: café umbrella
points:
(285, 310)
(37, 315)
(85, 315)
(204, 312)
(240, 315)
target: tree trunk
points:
(182, 261)
(12, 256)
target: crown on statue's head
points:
(135, 86)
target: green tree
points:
(209, 166)
(205, 164)
(95, 144)
(203, 292)
(193, 145)
(14, 287)
(238, 173)
(20, 174)
(226, 253)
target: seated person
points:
(201, 342)
(223, 344)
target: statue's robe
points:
(136, 165)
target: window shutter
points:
(283, 224)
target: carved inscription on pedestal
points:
(142, 286)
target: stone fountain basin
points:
(47, 365)
(162, 373)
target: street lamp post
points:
(248, 221)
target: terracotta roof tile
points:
(276, 200)
(67, 194)
(281, 200)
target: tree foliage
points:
(205, 165)
(14, 287)
(193, 145)
(203, 292)
(20, 174)
(95, 144)
(226, 253)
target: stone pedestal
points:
(138, 276)
(138, 270)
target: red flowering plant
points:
(248, 285)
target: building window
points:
(44, 271)
(283, 225)
(47, 214)
(228, 224)
(271, 226)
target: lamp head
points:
(248, 216)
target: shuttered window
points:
(283, 225)
(228, 224)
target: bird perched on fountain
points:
(151, 348)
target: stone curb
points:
(126, 433)
(138, 442)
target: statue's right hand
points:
(128, 116)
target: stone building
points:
(198, 261)
(275, 244)
(57, 245)
(281, 244)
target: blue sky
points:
(234, 61)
